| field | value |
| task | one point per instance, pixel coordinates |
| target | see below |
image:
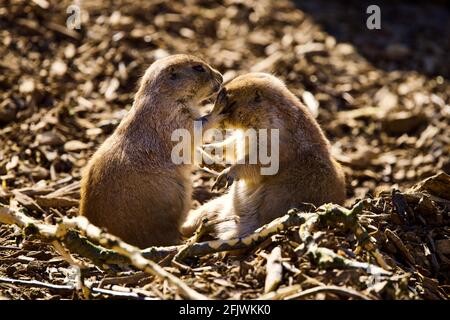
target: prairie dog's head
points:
(250, 101)
(182, 77)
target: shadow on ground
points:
(413, 35)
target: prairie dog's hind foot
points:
(216, 213)
(192, 222)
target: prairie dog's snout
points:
(219, 111)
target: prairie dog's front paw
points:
(227, 176)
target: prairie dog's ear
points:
(258, 97)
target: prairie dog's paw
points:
(227, 176)
(193, 221)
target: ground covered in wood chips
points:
(382, 97)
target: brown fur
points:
(130, 186)
(307, 172)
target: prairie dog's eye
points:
(258, 97)
(199, 68)
(173, 74)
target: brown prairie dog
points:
(131, 186)
(307, 173)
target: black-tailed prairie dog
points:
(131, 186)
(306, 174)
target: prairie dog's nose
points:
(203, 119)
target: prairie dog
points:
(131, 186)
(307, 172)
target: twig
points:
(280, 293)
(274, 270)
(177, 258)
(327, 215)
(259, 235)
(70, 288)
(131, 279)
(327, 258)
(132, 253)
(159, 253)
(400, 246)
(335, 289)
(131, 294)
(331, 214)
(71, 239)
(59, 232)
(63, 30)
(10, 248)
(81, 245)
(38, 284)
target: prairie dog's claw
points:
(224, 175)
